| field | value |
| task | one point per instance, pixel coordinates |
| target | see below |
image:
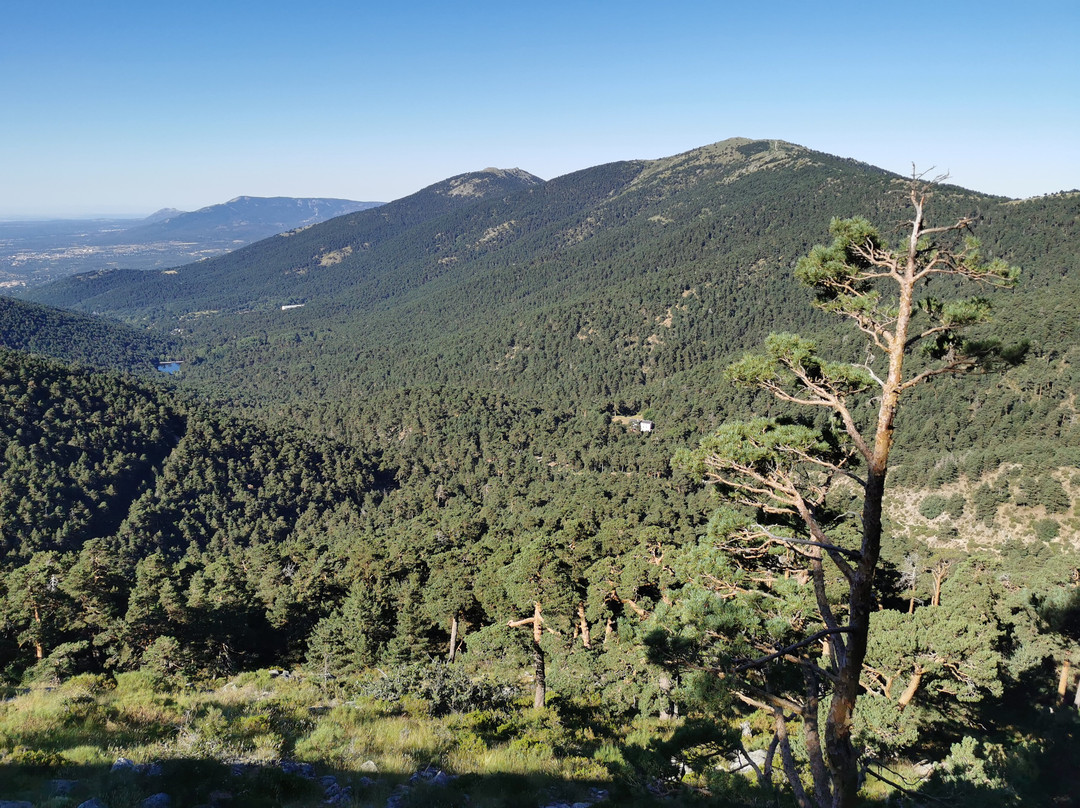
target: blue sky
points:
(118, 107)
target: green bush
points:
(445, 688)
(37, 758)
(1052, 495)
(1046, 529)
(933, 506)
(955, 505)
(987, 499)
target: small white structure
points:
(646, 426)
(292, 306)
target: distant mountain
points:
(32, 253)
(239, 221)
(236, 281)
(161, 215)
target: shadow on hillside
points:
(1041, 768)
(201, 782)
(190, 783)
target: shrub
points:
(1046, 529)
(37, 758)
(444, 687)
(955, 505)
(933, 506)
(1052, 495)
(987, 499)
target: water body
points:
(169, 367)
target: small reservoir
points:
(169, 367)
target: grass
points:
(230, 738)
(261, 739)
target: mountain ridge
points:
(241, 219)
(33, 253)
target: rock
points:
(369, 767)
(365, 782)
(442, 779)
(123, 765)
(432, 775)
(741, 761)
(159, 800)
(62, 788)
(335, 794)
(397, 797)
(305, 770)
(93, 802)
(16, 804)
(150, 769)
(923, 769)
(595, 795)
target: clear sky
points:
(127, 107)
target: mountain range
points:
(37, 252)
(620, 289)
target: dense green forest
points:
(80, 339)
(437, 457)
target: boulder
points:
(62, 788)
(159, 800)
(741, 761)
(123, 765)
(305, 770)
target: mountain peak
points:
(161, 215)
(479, 184)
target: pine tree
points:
(792, 481)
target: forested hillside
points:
(617, 290)
(440, 455)
(80, 339)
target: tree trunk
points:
(537, 622)
(538, 656)
(583, 624)
(941, 572)
(812, 737)
(912, 687)
(453, 638)
(787, 759)
(39, 650)
(843, 756)
(1063, 682)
